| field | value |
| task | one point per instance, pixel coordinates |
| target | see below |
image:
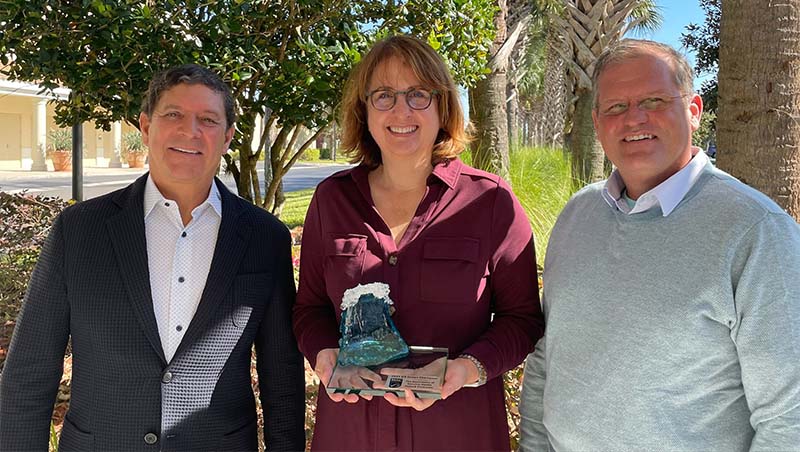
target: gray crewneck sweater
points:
(669, 333)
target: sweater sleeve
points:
(766, 272)
(533, 436)
(518, 322)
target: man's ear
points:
(228, 137)
(144, 127)
(696, 111)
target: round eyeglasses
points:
(383, 99)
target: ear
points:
(696, 111)
(594, 118)
(228, 137)
(144, 127)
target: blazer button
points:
(167, 377)
(150, 438)
(393, 259)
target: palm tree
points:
(588, 27)
(540, 79)
(758, 135)
(487, 102)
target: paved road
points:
(98, 181)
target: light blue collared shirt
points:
(667, 194)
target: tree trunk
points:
(512, 95)
(758, 134)
(244, 181)
(488, 108)
(587, 155)
(554, 104)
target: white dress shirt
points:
(667, 194)
(179, 259)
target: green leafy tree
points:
(704, 40)
(286, 60)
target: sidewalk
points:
(16, 175)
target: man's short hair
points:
(632, 48)
(190, 74)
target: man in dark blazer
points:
(163, 288)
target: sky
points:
(677, 14)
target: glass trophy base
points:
(422, 371)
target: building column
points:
(39, 139)
(99, 148)
(116, 145)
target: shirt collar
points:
(667, 194)
(153, 196)
(446, 171)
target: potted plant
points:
(133, 149)
(60, 149)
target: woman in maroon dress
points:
(452, 242)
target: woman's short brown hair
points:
(432, 72)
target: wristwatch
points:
(481, 371)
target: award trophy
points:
(373, 357)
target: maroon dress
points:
(463, 277)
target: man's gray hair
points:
(631, 48)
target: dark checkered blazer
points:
(92, 285)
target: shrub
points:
(26, 223)
(325, 154)
(132, 143)
(310, 154)
(59, 140)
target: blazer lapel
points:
(229, 251)
(128, 239)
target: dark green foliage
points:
(25, 224)
(284, 60)
(325, 153)
(704, 40)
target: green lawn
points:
(294, 211)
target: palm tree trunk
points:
(587, 155)
(758, 134)
(488, 108)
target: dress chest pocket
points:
(450, 270)
(344, 263)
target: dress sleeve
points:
(314, 317)
(766, 273)
(32, 372)
(518, 322)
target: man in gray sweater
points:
(671, 290)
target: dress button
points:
(151, 438)
(181, 279)
(393, 259)
(167, 377)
